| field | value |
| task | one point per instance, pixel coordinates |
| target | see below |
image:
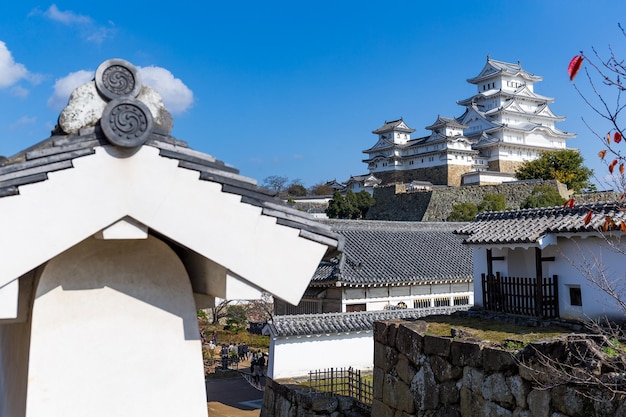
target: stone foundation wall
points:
(291, 400)
(421, 375)
(436, 205)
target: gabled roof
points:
(444, 121)
(332, 323)
(529, 226)
(73, 185)
(495, 68)
(395, 125)
(393, 253)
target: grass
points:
(507, 335)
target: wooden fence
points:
(343, 381)
(521, 295)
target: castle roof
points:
(530, 226)
(494, 68)
(378, 253)
(395, 125)
(360, 321)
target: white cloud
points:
(177, 97)
(66, 17)
(10, 71)
(23, 121)
(63, 87)
(87, 28)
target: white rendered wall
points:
(296, 356)
(569, 256)
(114, 333)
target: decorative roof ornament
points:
(126, 109)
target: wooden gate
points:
(536, 297)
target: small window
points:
(355, 307)
(575, 296)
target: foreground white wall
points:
(297, 355)
(114, 333)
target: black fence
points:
(343, 381)
(536, 297)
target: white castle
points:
(504, 124)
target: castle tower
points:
(508, 123)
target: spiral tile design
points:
(127, 122)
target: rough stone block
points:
(463, 353)
(566, 400)
(444, 370)
(323, 403)
(495, 389)
(497, 360)
(379, 381)
(409, 339)
(380, 409)
(449, 393)
(447, 411)
(520, 389)
(437, 345)
(539, 403)
(385, 357)
(385, 331)
(471, 403)
(405, 369)
(473, 379)
(425, 389)
(491, 409)
(397, 395)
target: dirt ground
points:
(217, 409)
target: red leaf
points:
(569, 203)
(608, 137)
(621, 169)
(613, 163)
(622, 226)
(602, 154)
(617, 137)
(588, 217)
(574, 66)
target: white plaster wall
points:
(569, 266)
(570, 255)
(114, 333)
(296, 356)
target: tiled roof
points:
(328, 323)
(394, 125)
(530, 225)
(59, 151)
(390, 253)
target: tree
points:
(463, 212)
(352, 206)
(296, 189)
(321, 188)
(219, 311)
(236, 318)
(275, 183)
(565, 166)
(543, 196)
(492, 202)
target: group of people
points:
(237, 352)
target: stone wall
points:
(289, 400)
(436, 205)
(422, 375)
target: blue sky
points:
(295, 88)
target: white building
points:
(548, 263)
(386, 265)
(504, 124)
